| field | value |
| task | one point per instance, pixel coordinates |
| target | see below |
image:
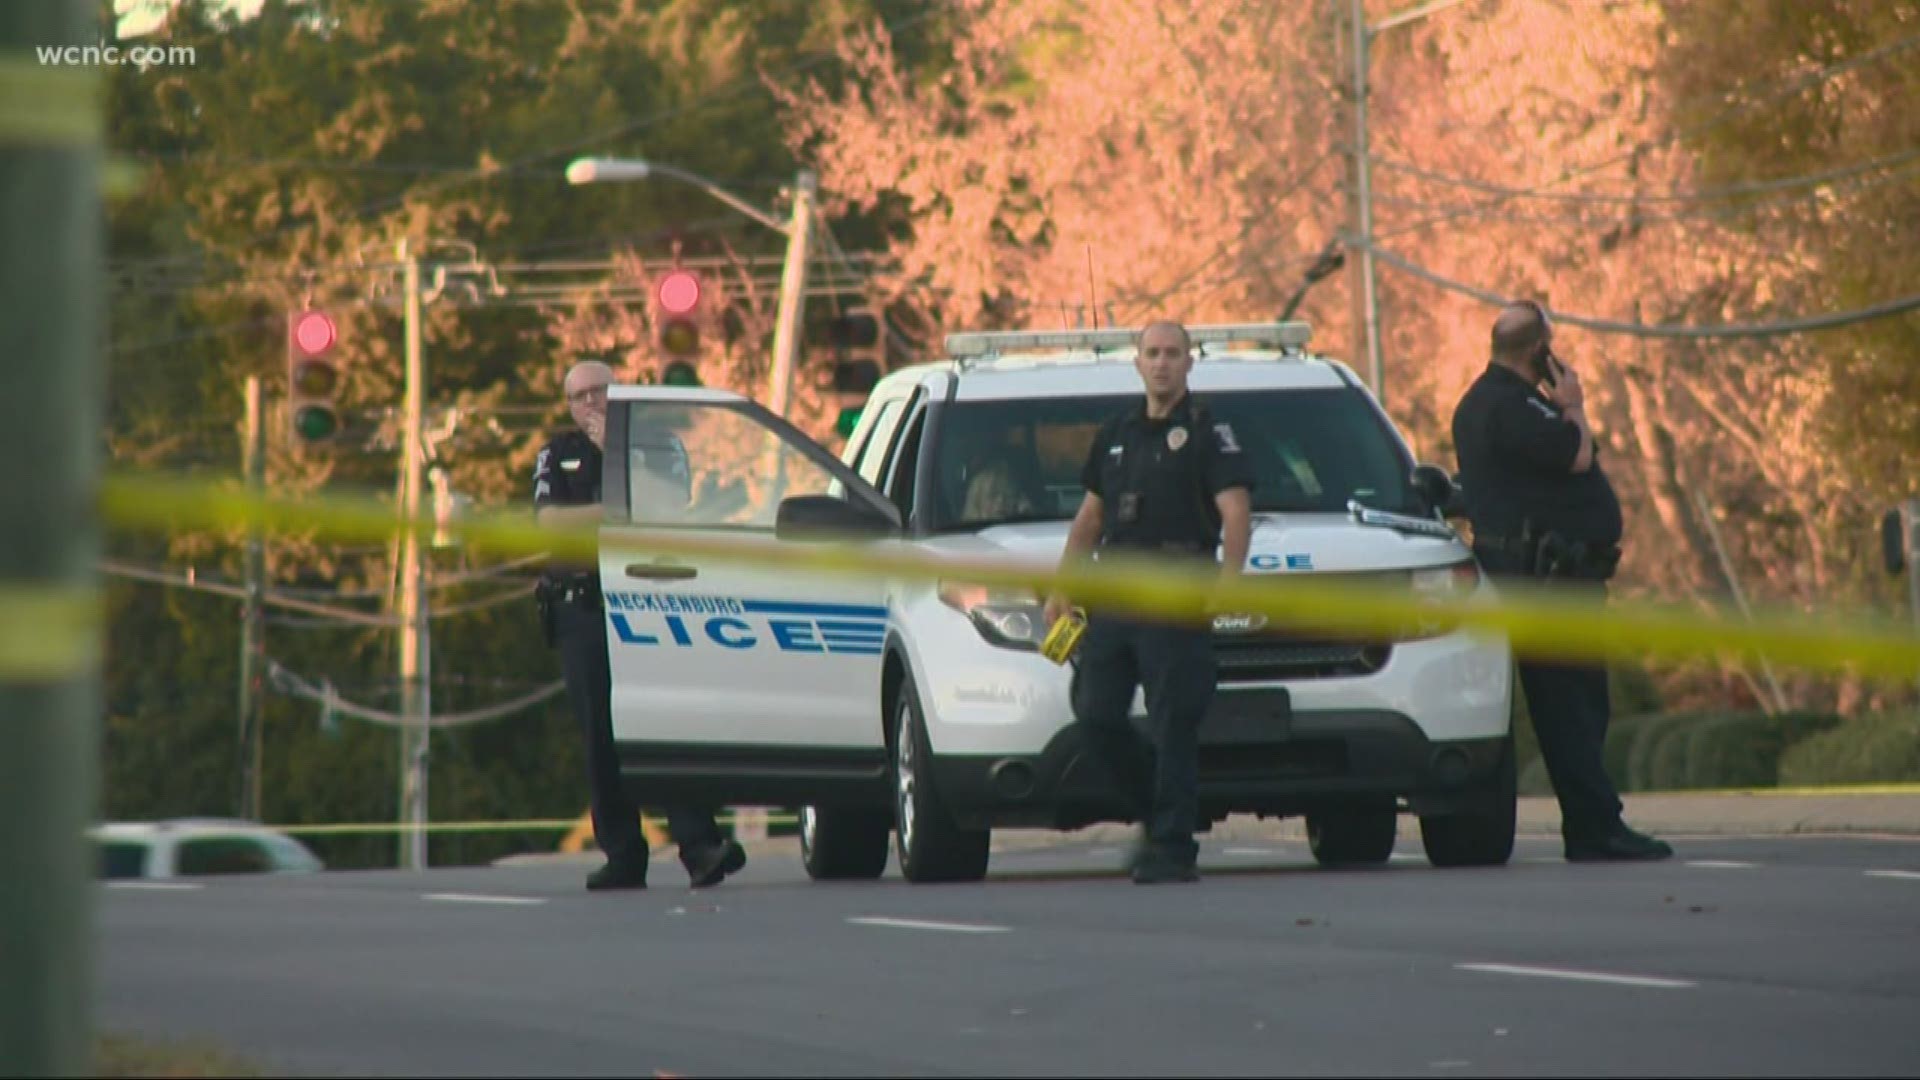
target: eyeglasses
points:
(586, 394)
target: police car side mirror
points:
(1893, 547)
(823, 517)
(1433, 484)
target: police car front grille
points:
(1249, 658)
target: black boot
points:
(1619, 844)
(631, 874)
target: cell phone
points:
(1554, 370)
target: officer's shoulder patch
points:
(1223, 434)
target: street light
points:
(793, 276)
(1363, 37)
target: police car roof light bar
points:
(980, 343)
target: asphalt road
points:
(1784, 956)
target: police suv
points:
(922, 712)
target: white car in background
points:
(922, 710)
(189, 847)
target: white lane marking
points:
(922, 924)
(1405, 856)
(1246, 851)
(1721, 864)
(156, 886)
(480, 898)
(1907, 875)
(1578, 976)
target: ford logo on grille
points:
(1238, 624)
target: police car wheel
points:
(1481, 837)
(1360, 834)
(839, 844)
(927, 842)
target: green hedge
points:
(1692, 751)
(1876, 748)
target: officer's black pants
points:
(1570, 705)
(1175, 665)
(581, 636)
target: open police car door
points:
(737, 683)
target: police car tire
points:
(1481, 837)
(932, 847)
(844, 844)
(1359, 834)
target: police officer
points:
(1164, 480)
(566, 492)
(1542, 508)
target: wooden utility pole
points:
(252, 621)
(415, 664)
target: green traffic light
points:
(680, 373)
(313, 423)
(849, 419)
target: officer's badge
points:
(1176, 438)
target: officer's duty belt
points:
(577, 592)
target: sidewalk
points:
(1894, 811)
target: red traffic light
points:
(313, 333)
(679, 292)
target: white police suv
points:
(921, 711)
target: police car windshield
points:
(1311, 450)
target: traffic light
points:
(313, 376)
(677, 327)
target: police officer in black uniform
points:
(566, 492)
(1542, 509)
(1163, 480)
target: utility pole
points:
(51, 314)
(1911, 518)
(793, 289)
(415, 701)
(252, 622)
(1363, 187)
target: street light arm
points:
(603, 170)
(724, 196)
(1411, 14)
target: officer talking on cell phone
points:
(1164, 480)
(1543, 510)
(566, 493)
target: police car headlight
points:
(1446, 582)
(1441, 583)
(1009, 618)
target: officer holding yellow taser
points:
(1164, 480)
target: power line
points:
(1805, 324)
(1742, 105)
(1599, 215)
(1789, 183)
(737, 88)
(286, 681)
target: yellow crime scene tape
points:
(56, 104)
(48, 633)
(1538, 621)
